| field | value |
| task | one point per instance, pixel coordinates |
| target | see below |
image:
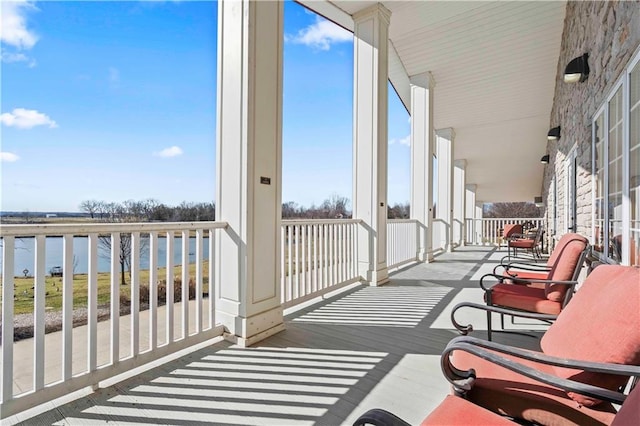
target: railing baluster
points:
(212, 278)
(115, 298)
(289, 262)
(8, 257)
(67, 307)
(296, 288)
(92, 304)
(40, 289)
(169, 291)
(185, 284)
(343, 271)
(325, 255)
(316, 258)
(198, 280)
(303, 261)
(283, 274)
(308, 229)
(135, 294)
(153, 290)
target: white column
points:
(459, 197)
(422, 161)
(249, 164)
(370, 140)
(444, 204)
(470, 213)
(478, 219)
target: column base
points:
(247, 331)
(425, 257)
(379, 277)
(245, 342)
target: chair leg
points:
(489, 302)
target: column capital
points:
(460, 163)
(368, 12)
(424, 80)
(447, 133)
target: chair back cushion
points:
(511, 229)
(601, 324)
(563, 263)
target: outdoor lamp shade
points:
(554, 134)
(545, 159)
(577, 70)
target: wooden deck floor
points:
(368, 347)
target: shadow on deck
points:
(367, 347)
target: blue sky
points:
(116, 100)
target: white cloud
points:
(11, 57)
(8, 157)
(14, 24)
(321, 35)
(26, 119)
(173, 151)
(401, 141)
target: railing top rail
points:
(92, 228)
(402, 220)
(319, 221)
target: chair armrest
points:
(465, 329)
(521, 281)
(533, 267)
(463, 380)
(379, 417)
(525, 236)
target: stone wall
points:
(610, 33)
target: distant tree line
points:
(335, 207)
(514, 209)
(149, 210)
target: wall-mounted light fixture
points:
(545, 159)
(554, 134)
(577, 70)
(538, 201)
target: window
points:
(598, 187)
(634, 162)
(616, 165)
(616, 171)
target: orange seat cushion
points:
(528, 275)
(456, 411)
(601, 324)
(504, 391)
(526, 298)
(522, 243)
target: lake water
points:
(25, 250)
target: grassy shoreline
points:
(24, 288)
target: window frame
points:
(623, 83)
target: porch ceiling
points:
(495, 66)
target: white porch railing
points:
(317, 256)
(402, 241)
(82, 358)
(489, 230)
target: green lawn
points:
(24, 288)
